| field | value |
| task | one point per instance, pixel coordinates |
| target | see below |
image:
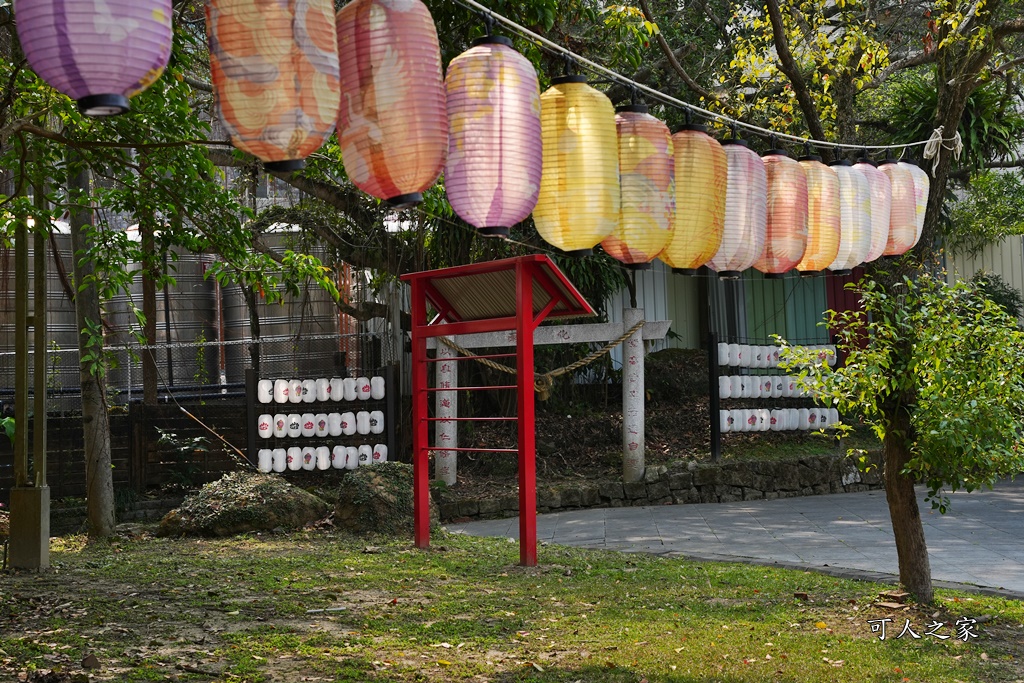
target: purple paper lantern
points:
(97, 52)
(492, 176)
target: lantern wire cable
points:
(556, 49)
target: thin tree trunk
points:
(915, 570)
(99, 481)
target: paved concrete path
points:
(980, 541)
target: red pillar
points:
(525, 398)
(420, 459)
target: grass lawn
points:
(319, 606)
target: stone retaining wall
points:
(676, 484)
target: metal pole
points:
(714, 402)
(525, 423)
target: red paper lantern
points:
(701, 179)
(903, 218)
(393, 125)
(274, 67)
(881, 206)
(823, 226)
(786, 230)
(746, 211)
(494, 154)
(647, 201)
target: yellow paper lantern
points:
(647, 201)
(786, 230)
(823, 226)
(854, 218)
(701, 180)
(578, 204)
(746, 211)
(903, 218)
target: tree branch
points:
(910, 61)
(792, 71)
(1009, 27)
(671, 57)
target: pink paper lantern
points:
(393, 125)
(786, 231)
(492, 176)
(903, 218)
(823, 226)
(746, 211)
(881, 206)
(921, 187)
(274, 67)
(97, 53)
(854, 218)
(646, 181)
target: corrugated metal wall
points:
(1005, 259)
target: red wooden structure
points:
(512, 294)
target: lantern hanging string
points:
(686, 106)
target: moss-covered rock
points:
(240, 502)
(376, 499)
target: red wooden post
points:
(421, 444)
(525, 412)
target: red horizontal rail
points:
(490, 355)
(434, 449)
(472, 419)
(512, 386)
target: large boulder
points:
(376, 499)
(240, 502)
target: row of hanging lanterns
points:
(287, 73)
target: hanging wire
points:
(556, 49)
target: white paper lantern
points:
(724, 421)
(757, 359)
(736, 386)
(380, 454)
(334, 424)
(746, 386)
(323, 458)
(750, 417)
(377, 388)
(792, 419)
(724, 387)
(833, 417)
(323, 389)
(348, 424)
(376, 422)
(337, 390)
(881, 206)
(351, 457)
(338, 457)
(280, 425)
(281, 390)
(723, 353)
(309, 458)
(812, 418)
(322, 428)
(348, 388)
(308, 427)
(365, 455)
(737, 420)
(823, 422)
(308, 390)
(265, 426)
(265, 391)
(734, 354)
(767, 386)
(744, 356)
(363, 422)
(295, 391)
(764, 419)
(778, 420)
(804, 418)
(294, 425)
(363, 390)
(294, 458)
(778, 384)
(265, 460)
(280, 459)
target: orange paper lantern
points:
(786, 231)
(647, 201)
(746, 211)
(881, 206)
(823, 227)
(903, 218)
(854, 218)
(274, 68)
(578, 204)
(393, 125)
(701, 179)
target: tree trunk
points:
(915, 570)
(99, 481)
